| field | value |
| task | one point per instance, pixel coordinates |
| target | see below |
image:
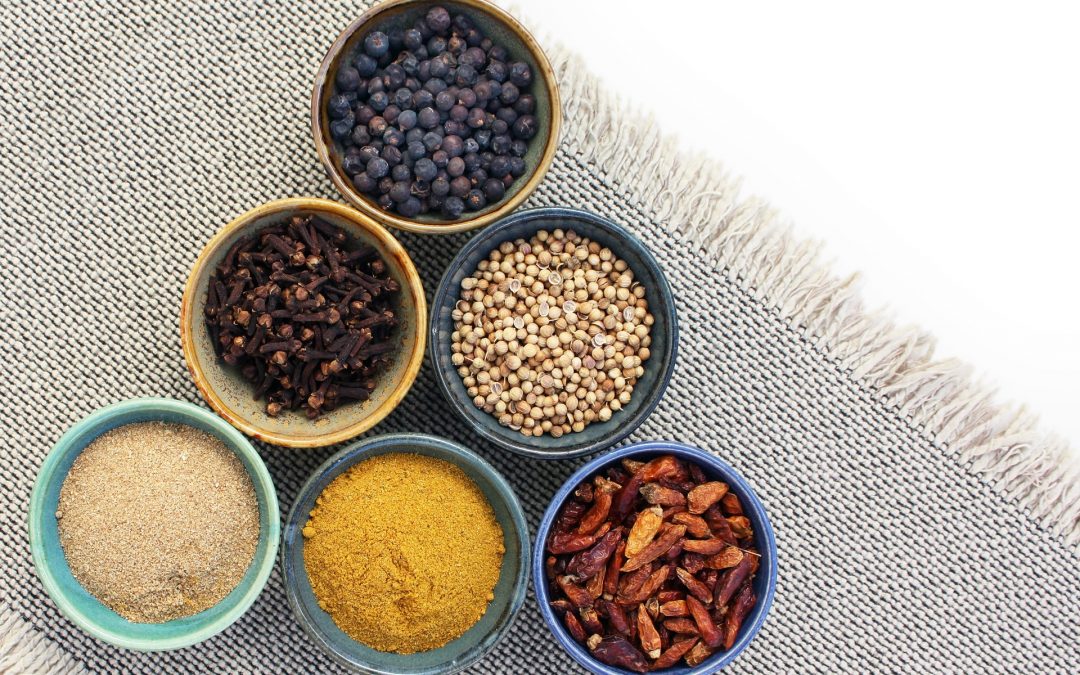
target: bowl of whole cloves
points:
(303, 322)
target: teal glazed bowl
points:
(664, 333)
(509, 591)
(86, 611)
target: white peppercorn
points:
(551, 333)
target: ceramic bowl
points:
(501, 28)
(509, 591)
(665, 332)
(85, 610)
(714, 468)
(225, 389)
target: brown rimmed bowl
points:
(501, 28)
(231, 396)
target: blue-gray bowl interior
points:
(510, 590)
(88, 611)
(664, 333)
(764, 580)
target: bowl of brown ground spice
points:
(153, 524)
(406, 553)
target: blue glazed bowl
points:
(764, 580)
(84, 609)
(509, 591)
(664, 332)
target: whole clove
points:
(305, 315)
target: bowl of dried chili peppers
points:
(656, 557)
(303, 322)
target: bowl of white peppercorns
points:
(436, 116)
(554, 333)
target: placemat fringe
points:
(1001, 443)
(25, 650)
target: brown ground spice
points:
(158, 521)
(403, 551)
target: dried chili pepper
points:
(695, 525)
(572, 542)
(658, 547)
(645, 527)
(729, 557)
(673, 653)
(740, 607)
(624, 498)
(654, 493)
(577, 595)
(698, 654)
(681, 624)
(617, 617)
(705, 495)
(731, 581)
(704, 546)
(615, 650)
(590, 561)
(647, 634)
(590, 620)
(651, 585)
(710, 634)
(665, 466)
(596, 514)
(730, 505)
(695, 587)
(614, 567)
(570, 516)
(573, 626)
(674, 608)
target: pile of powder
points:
(158, 521)
(403, 551)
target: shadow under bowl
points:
(232, 396)
(496, 24)
(764, 581)
(86, 611)
(509, 592)
(664, 333)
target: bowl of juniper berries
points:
(435, 117)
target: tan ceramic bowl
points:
(231, 396)
(500, 27)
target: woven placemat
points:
(920, 525)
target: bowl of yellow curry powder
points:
(406, 553)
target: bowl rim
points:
(260, 479)
(201, 268)
(359, 451)
(487, 238)
(320, 91)
(751, 503)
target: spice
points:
(305, 316)
(403, 551)
(674, 585)
(158, 521)
(551, 334)
(433, 118)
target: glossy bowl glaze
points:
(764, 580)
(225, 389)
(664, 332)
(502, 28)
(86, 611)
(509, 591)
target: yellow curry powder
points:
(403, 551)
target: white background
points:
(933, 146)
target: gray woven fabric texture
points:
(130, 135)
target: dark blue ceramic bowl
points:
(764, 581)
(509, 591)
(664, 332)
